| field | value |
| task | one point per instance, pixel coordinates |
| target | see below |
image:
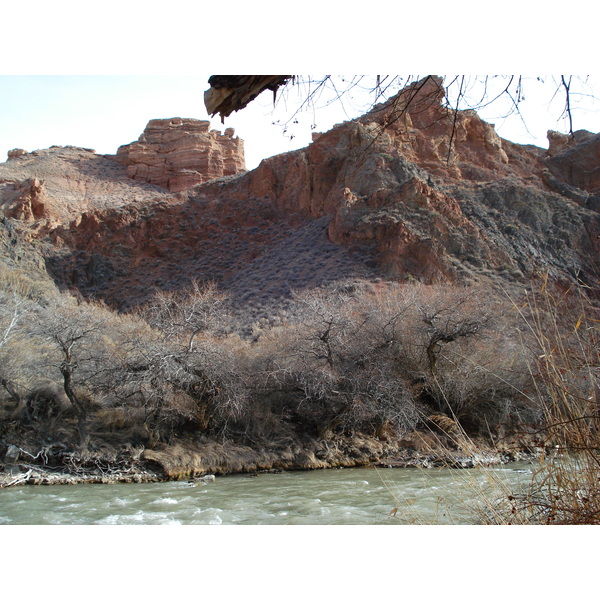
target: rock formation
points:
(16, 153)
(576, 161)
(23, 200)
(437, 195)
(177, 154)
(53, 187)
(412, 190)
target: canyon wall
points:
(412, 190)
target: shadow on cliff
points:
(254, 252)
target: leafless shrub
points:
(460, 348)
(190, 312)
(183, 373)
(330, 362)
(370, 357)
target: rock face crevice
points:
(177, 154)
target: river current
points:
(365, 496)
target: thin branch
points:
(567, 87)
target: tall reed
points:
(563, 328)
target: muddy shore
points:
(193, 461)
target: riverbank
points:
(189, 460)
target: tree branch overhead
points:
(229, 93)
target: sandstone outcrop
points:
(54, 187)
(413, 134)
(436, 194)
(576, 160)
(558, 142)
(16, 153)
(177, 154)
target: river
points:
(365, 496)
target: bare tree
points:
(338, 364)
(188, 313)
(447, 322)
(82, 352)
(186, 360)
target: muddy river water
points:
(365, 496)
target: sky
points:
(93, 75)
(103, 112)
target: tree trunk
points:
(431, 356)
(20, 406)
(67, 372)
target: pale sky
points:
(104, 112)
(94, 74)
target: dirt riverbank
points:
(193, 461)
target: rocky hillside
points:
(410, 191)
(438, 196)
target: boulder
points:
(575, 160)
(23, 200)
(16, 153)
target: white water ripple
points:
(348, 496)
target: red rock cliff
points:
(437, 193)
(411, 190)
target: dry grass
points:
(565, 486)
